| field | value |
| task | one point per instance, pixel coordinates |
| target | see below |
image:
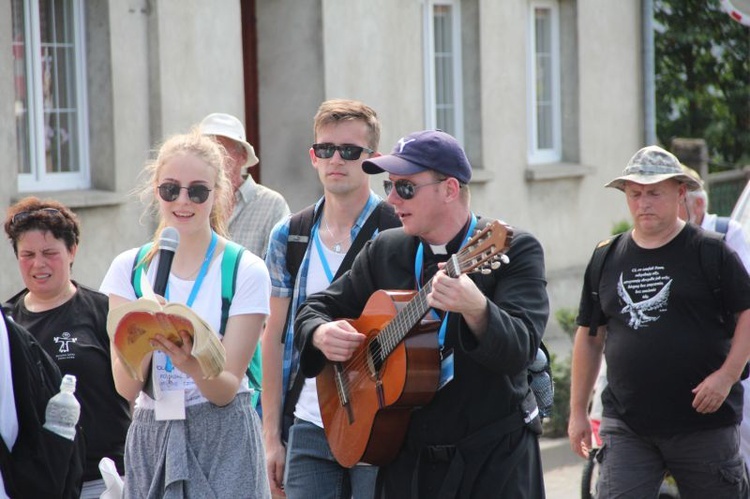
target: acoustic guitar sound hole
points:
(374, 356)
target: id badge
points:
(446, 368)
(169, 390)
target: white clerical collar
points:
(438, 249)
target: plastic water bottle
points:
(63, 409)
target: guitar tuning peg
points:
(495, 265)
(486, 271)
(504, 258)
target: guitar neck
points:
(404, 321)
(478, 254)
(411, 314)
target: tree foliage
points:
(703, 77)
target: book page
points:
(133, 325)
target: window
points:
(50, 102)
(443, 92)
(545, 143)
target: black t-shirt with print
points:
(75, 336)
(664, 334)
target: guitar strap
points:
(418, 269)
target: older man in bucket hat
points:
(256, 207)
(674, 400)
(478, 436)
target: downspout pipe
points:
(649, 72)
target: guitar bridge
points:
(343, 391)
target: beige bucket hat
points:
(230, 127)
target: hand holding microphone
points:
(168, 242)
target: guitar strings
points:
(359, 362)
(359, 359)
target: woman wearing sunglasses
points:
(198, 437)
(69, 320)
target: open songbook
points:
(131, 327)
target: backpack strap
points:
(300, 228)
(595, 277)
(722, 225)
(138, 267)
(382, 217)
(711, 257)
(230, 263)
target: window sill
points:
(481, 176)
(88, 198)
(556, 171)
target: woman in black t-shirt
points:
(69, 321)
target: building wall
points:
(154, 68)
(157, 67)
(379, 59)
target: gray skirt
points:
(216, 452)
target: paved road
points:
(562, 469)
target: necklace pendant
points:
(337, 247)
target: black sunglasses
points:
(23, 215)
(348, 153)
(170, 191)
(404, 188)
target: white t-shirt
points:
(734, 238)
(251, 296)
(307, 407)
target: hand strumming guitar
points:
(338, 340)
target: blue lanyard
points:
(418, 261)
(319, 247)
(326, 268)
(201, 274)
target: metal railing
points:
(724, 188)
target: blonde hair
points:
(207, 150)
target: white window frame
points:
(39, 179)
(536, 153)
(430, 106)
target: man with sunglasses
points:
(346, 133)
(478, 436)
(256, 207)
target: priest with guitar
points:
(430, 382)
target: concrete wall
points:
(153, 68)
(379, 59)
(157, 67)
(290, 80)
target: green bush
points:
(557, 424)
(566, 318)
(621, 226)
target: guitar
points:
(366, 401)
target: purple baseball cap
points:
(426, 150)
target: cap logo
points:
(402, 143)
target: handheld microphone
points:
(168, 242)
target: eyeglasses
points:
(170, 191)
(23, 215)
(347, 152)
(404, 188)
